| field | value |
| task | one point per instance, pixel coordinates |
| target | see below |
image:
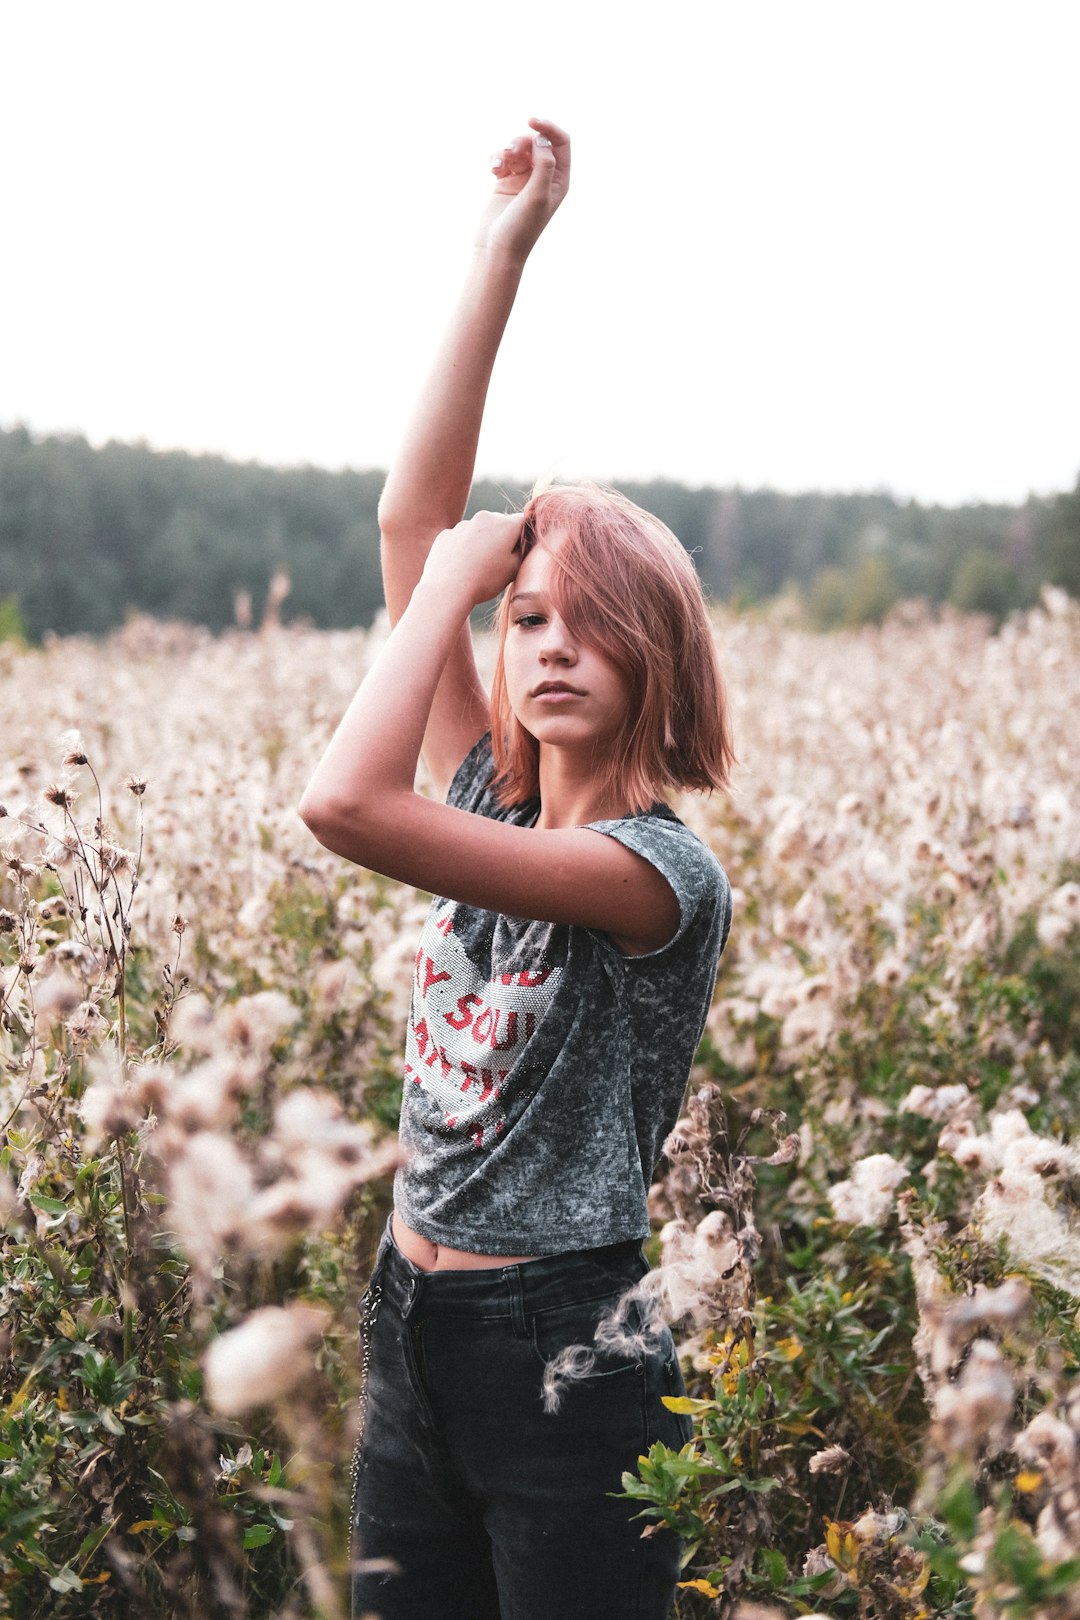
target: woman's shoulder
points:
(659, 825)
(693, 870)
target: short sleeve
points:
(698, 881)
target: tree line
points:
(89, 536)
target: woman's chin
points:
(562, 731)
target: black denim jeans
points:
(490, 1507)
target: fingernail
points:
(542, 140)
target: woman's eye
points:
(527, 620)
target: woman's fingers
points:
(514, 159)
(482, 552)
(519, 156)
(499, 532)
(559, 139)
(560, 146)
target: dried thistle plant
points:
(159, 1160)
(1008, 1482)
(906, 808)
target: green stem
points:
(125, 1286)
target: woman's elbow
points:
(325, 817)
(353, 828)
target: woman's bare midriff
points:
(430, 1256)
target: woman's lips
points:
(554, 691)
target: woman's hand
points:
(478, 557)
(532, 176)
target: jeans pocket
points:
(565, 1329)
(675, 1429)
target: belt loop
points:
(517, 1299)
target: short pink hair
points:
(625, 586)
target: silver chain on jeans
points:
(369, 1311)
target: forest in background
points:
(89, 536)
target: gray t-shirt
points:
(544, 1068)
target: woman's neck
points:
(570, 794)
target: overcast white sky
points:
(809, 243)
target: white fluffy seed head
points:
(263, 1359)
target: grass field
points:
(200, 1070)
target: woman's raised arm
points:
(428, 485)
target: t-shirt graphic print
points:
(469, 1028)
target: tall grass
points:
(866, 1220)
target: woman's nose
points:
(556, 643)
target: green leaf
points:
(257, 1535)
(960, 1508)
(773, 1565)
(810, 1583)
(90, 1544)
(1064, 1578)
(51, 1206)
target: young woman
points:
(560, 989)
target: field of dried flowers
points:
(867, 1221)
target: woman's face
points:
(564, 692)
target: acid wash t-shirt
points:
(543, 1068)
